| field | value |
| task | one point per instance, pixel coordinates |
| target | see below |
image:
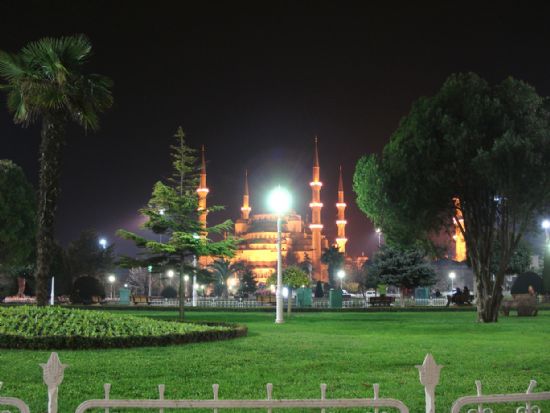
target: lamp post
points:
(170, 275)
(186, 280)
(379, 232)
(546, 227)
(161, 213)
(452, 276)
(341, 274)
(195, 294)
(279, 202)
(111, 280)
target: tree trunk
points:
(48, 193)
(488, 302)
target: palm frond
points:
(11, 67)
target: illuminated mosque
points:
(301, 241)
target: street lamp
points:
(341, 274)
(111, 280)
(170, 274)
(103, 243)
(379, 232)
(546, 227)
(185, 280)
(161, 213)
(452, 276)
(279, 201)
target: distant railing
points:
(316, 302)
(429, 373)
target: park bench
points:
(381, 301)
(460, 299)
(140, 299)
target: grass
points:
(348, 351)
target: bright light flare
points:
(279, 200)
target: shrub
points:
(319, 293)
(169, 292)
(56, 328)
(85, 288)
(523, 281)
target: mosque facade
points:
(301, 241)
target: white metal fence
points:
(316, 303)
(429, 373)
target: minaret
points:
(245, 209)
(341, 219)
(460, 242)
(202, 192)
(316, 205)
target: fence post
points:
(107, 391)
(429, 377)
(53, 376)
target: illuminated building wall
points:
(458, 237)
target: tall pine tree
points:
(173, 212)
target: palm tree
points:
(335, 261)
(45, 83)
(222, 270)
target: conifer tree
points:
(248, 284)
(172, 212)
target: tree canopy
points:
(222, 270)
(247, 282)
(17, 217)
(334, 260)
(473, 150)
(406, 268)
(293, 277)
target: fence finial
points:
(53, 376)
(429, 377)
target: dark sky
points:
(255, 89)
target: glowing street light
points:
(546, 227)
(170, 274)
(452, 276)
(379, 232)
(279, 201)
(103, 243)
(341, 274)
(111, 278)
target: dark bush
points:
(319, 290)
(523, 281)
(169, 292)
(85, 289)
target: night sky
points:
(256, 89)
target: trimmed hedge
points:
(47, 328)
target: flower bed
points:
(56, 328)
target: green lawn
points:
(348, 351)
